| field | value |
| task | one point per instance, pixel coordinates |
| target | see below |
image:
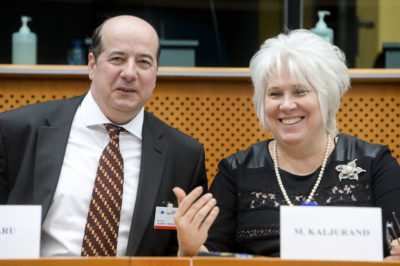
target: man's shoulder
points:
(40, 107)
(38, 113)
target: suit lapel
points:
(154, 155)
(50, 150)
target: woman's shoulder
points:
(352, 146)
(254, 156)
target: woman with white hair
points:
(298, 79)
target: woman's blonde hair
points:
(310, 59)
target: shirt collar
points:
(92, 115)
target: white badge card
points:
(331, 233)
(20, 227)
(164, 218)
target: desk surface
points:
(186, 261)
(210, 72)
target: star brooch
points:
(349, 171)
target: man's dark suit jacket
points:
(33, 141)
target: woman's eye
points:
(301, 91)
(274, 94)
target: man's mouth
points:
(124, 89)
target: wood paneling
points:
(215, 105)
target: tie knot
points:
(113, 130)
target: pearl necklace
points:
(321, 173)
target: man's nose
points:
(129, 71)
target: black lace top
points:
(249, 197)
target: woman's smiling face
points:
(292, 111)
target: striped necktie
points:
(101, 231)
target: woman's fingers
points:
(203, 212)
(194, 210)
(209, 220)
(185, 201)
(179, 193)
(192, 206)
(391, 258)
(394, 251)
(193, 218)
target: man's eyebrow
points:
(116, 53)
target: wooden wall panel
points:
(218, 111)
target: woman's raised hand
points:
(193, 219)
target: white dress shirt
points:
(64, 225)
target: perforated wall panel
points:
(222, 116)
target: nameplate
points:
(20, 231)
(331, 233)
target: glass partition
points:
(209, 33)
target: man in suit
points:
(49, 152)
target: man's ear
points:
(91, 65)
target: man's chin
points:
(126, 106)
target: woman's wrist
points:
(183, 253)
